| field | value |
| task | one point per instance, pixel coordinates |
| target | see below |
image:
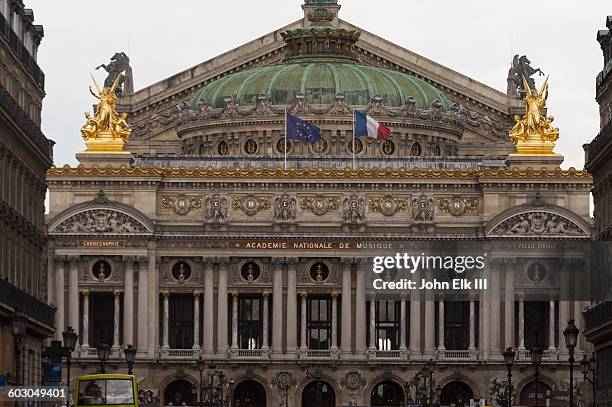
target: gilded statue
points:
(106, 131)
(534, 134)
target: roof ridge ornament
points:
(320, 13)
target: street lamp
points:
(587, 366)
(70, 339)
(429, 368)
(103, 354)
(536, 353)
(571, 339)
(213, 389)
(200, 367)
(19, 326)
(130, 356)
(509, 356)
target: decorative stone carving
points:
(339, 106)
(300, 105)
(285, 208)
(231, 109)
(263, 106)
(538, 224)
(319, 148)
(353, 209)
(251, 204)
(388, 205)
(409, 109)
(101, 221)
(377, 107)
(216, 208)
(320, 205)
(458, 206)
(498, 391)
(423, 209)
(353, 381)
(181, 204)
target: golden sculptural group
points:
(107, 131)
(533, 134)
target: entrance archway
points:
(318, 394)
(456, 394)
(179, 392)
(528, 394)
(387, 394)
(249, 394)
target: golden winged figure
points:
(533, 134)
(106, 131)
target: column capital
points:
(165, 294)
(222, 261)
(129, 259)
(85, 292)
(334, 295)
(235, 295)
(303, 295)
(266, 295)
(472, 297)
(59, 259)
(196, 294)
(292, 262)
(142, 259)
(73, 260)
(347, 260)
(520, 296)
(116, 294)
(277, 261)
(208, 260)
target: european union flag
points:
(300, 130)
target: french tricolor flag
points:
(366, 126)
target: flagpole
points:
(353, 139)
(285, 138)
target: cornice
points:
(333, 173)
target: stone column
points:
(143, 304)
(128, 302)
(277, 309)
(403, 324)
(360, 308)
(50, 264)
(564, 304)
(153, 300)
(303, 343)
(415, 324)
(373, 345)
(209, 311)
(485, 315)
(551, 324)
(579, 288)
(430, 317)
(291, 307)
(73, 293)
(59, 297)
(521, 321)
(116, 320)
(165, 326)
(222, 307)
(347, 315)
(441, 324)
(234, 321)
(509, 305)
(472, 345)
(196, 320)
(334, 323)
(265, 346)
(85, 333)
(495, 325)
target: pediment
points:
(109, 218)
(538, 221)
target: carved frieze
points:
(423, 209)
(285, 208)
(181, 204)
(458, 206)
(251, 204)
(538, 223)
(216, 208)
(106, 221)
(353, 209)
(388, 205)
(320, 204)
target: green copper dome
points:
(319, 80)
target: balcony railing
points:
(7, 33)
(167, 353)
(598, 314)
(458, 355)
(388, 354)
(327, 162)
(20, 300)
(324, 354)
(599, 143)
(549, 355)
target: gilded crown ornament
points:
(107, 131)
(533, 134)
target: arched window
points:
(416, 150)
(318, 394)
(387, 394)
(249, 394)
(457, 393)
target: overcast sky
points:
(474, 37)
